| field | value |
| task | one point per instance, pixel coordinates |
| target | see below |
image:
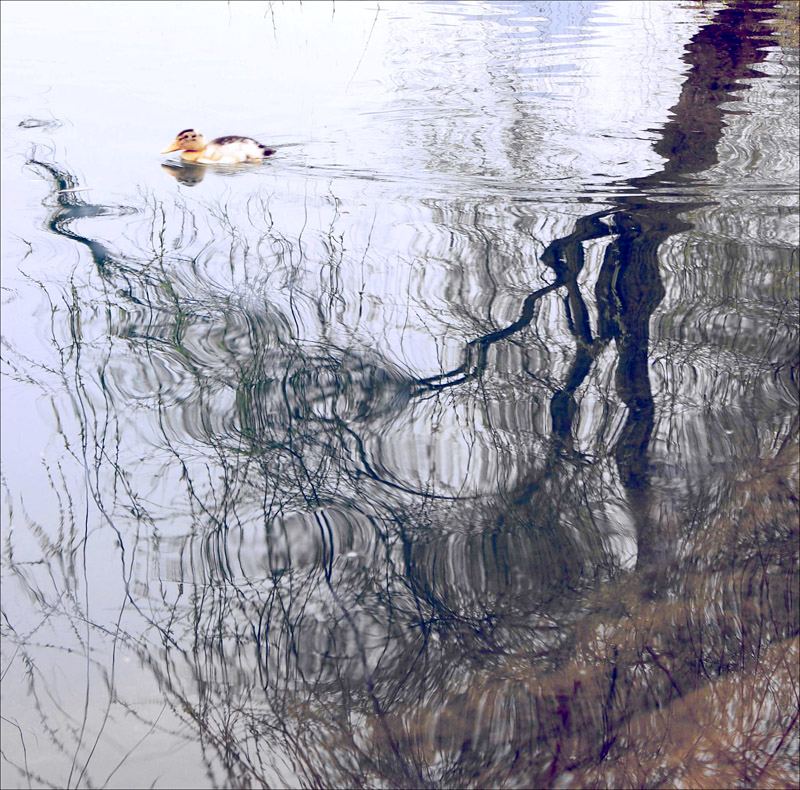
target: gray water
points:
(453, 446)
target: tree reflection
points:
(314, 615)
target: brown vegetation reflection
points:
(319, 621)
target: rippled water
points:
(455, 446)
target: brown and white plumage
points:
(228, 150)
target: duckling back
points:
(233, 149)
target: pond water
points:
(453, 446)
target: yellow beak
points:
(173, 146)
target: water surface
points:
(455, 446)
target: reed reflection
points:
(315, 616)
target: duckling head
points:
(187, 140)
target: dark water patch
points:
(39, 123)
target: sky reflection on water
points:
(456, 446)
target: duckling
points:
(228, 150)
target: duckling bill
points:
(229, 150)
